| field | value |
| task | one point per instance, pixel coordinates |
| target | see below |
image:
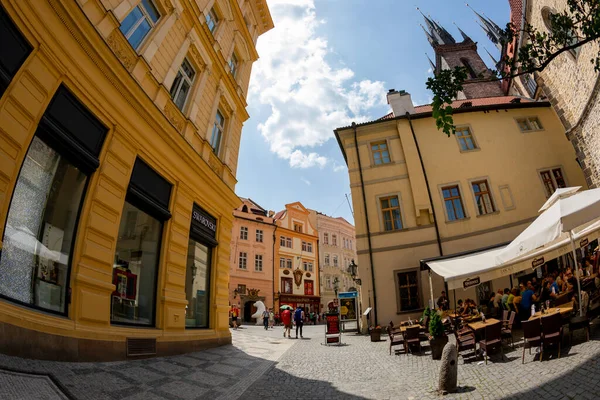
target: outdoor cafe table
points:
(563, 309)
(476, 326)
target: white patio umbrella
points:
(559, 221)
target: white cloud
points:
(339, 168)
(307, 96)
(429, 71)
(305, 181)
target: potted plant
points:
(375, 332)
(437, 338)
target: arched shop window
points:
(44, 211)
(135, 268)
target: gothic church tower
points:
(450, 54)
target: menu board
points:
(333, 324)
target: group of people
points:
(297, 318)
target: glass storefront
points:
(203, 232)
(135, 267)
(197, 285)
(42, 218)
(40, 229)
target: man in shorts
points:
(286, 318)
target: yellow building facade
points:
(296, 280)
(120, 124)
(483, 185)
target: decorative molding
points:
(174, 115)
(121, 48)
(298, 276)
(253, 292)
(215, 163)
(286, 271)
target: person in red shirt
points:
(286, 317)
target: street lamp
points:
(353, 271)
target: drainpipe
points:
(274, 241)
(437, 229)
(364, 196)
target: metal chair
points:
(552, 331)
(493, 339)
(532, 336)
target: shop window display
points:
(135, 267)
(197, 285)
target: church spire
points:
(492, 30)
(430, 63)
(491, 56)
(466, 37)
(436, 34)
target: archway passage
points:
(249, 309)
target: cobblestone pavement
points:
(365, 370)
(262, 365)
(220, 373)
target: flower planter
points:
(375, 335)
(437, 346)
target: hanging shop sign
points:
(584, 242)
(537, 262)
(471, 282)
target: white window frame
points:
(327, 259)
(334, 240)
(244, 233)
(258, 262)
(145, 16)
(304, 246)
(259, 235)
(181, 78)
(335, 260)
(288, 263)
(528, 122)
(234, 65)
(218, 131)
(309, 247)
(213, 16)
(305, 265)
(325, 238)
(289, 243)
(281, 262)
(281, 241)
(243, 260)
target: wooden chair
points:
(396, 338)
(579, 322)
(465, 341)
(493, 339)
(411, 337)
(552, 331)
(532, 336)
(507, 329)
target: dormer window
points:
(212, 20)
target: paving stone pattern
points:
(263, 365)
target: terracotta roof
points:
(279, 215)
(484, 101)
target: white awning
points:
(470, 270)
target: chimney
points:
(400, 102)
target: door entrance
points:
(249, 309)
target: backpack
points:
(298, 315)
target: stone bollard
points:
(449, 369)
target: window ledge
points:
(471, 150)
(457, 220)
(532, 130)
(373, 165)
(492, 213)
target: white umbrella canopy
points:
(558, 222)
(555, 224)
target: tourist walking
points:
(286, 318)
(266, 316)
(299, 320)
(234, 316)
(271, 319)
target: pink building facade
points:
(251, 263)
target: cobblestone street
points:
(262, 365)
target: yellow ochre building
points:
(418, 194)
(120, 125)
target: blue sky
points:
(328, 63)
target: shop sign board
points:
(471, 282)
(332, 328)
